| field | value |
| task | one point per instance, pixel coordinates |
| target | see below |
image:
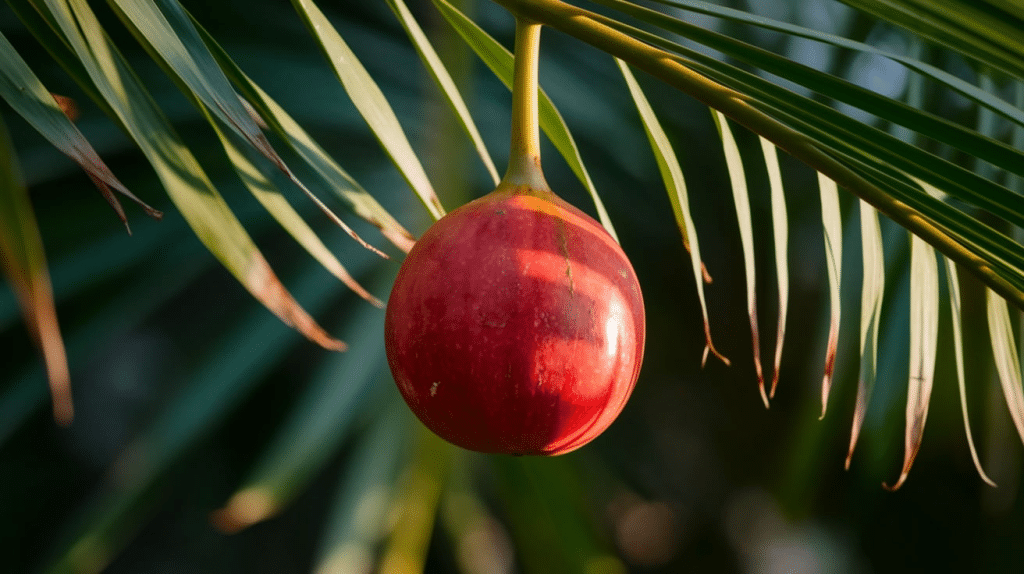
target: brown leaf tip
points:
(899, 483)
(68, 106)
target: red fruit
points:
(516, 325)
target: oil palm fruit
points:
(516, 322)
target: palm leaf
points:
(672, 175)
(26, 94)
(182, 177)
(832, 225)
(915, 63)
(924, 333)
(170, 34)
(310, 151)
(444, 80)
(780, 235)
(952, 281)
(371, 103)
(872, 294)
(738, 179)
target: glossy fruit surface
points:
(516, 325)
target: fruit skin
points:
(516, 325)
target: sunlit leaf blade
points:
(953, 284)
(924, 336)
(23, 91)
(366, 491)
(440, 74)
(741, 199)
(109, 519)
(171, 35)
(187, 185)
(1004, 350)
(262, 187)
(422, 483)
(499, 59)
(675, 184)
(872, 293)
(305, 147)
(23, 262)
(336, 394)
(832, 225)
(780, 235)
(370, 102)
(982, 97)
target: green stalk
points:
(524, 152)
(592, 29)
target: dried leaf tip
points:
(826, 383)
(709, 347)
(764, 395)
(899, 483)
(830, 362)
(68, 106)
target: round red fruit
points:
(516, 325)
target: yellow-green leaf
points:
(371, 103)
(270, 197)
(833, 232)
(440, 74)
(741, 199)
(872, 292)
(953, 284)
(184, 179)
(170, 34)
(1004, 350)
(780, 234)
(924, 336)
(339, 181)
(675, 184)
(20, 87)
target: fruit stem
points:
(524, 152)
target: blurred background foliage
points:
(211, 437)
